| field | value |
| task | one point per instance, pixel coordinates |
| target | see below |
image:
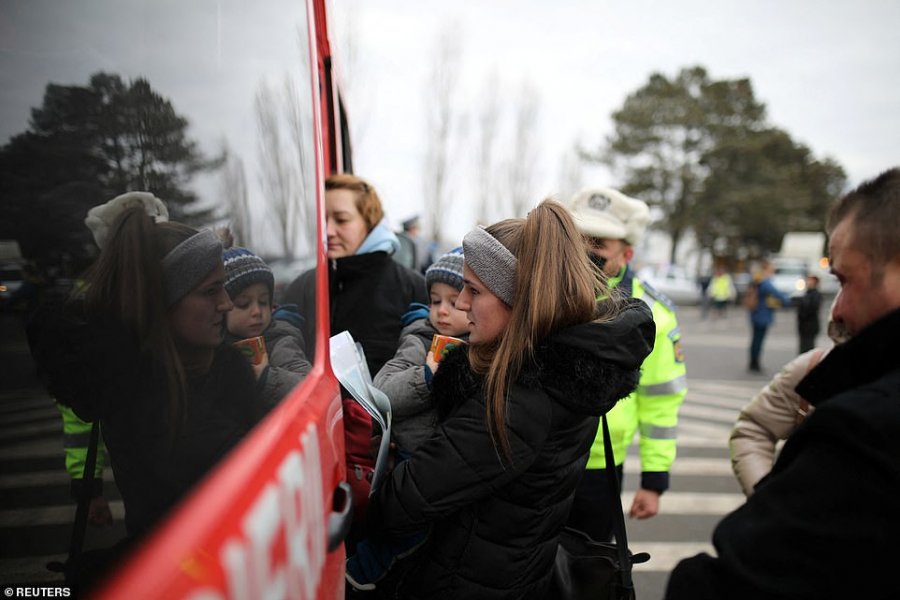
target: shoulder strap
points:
(84, 499)
(87, 490)
(616, 508)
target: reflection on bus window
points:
(207, 105)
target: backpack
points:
(751, 297)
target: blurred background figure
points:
(424, 250)
(703, 283)
(722, 292)
(808, 324)
(761, 301)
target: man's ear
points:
(628, 253)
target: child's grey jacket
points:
(288, 364)
(403, 380)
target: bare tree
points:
(571, 173)
(443, 123)
(277, 169)
(234, 191)
(305, 214)
(521, 166)
(488, 125)
(353, 70)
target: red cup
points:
(253, 349)
(440, 344)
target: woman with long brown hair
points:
(519, 409)
(141, 350)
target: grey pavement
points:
(36, 508)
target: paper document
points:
(348, 361)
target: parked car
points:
(674, 282)
(11, 280)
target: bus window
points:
(209, 106)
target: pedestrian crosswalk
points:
(703, 488)
(36, 506)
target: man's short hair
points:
(874, 207)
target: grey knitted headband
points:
(185, 266)
(494, 264)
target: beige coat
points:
(770, 417)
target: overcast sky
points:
(828, 72)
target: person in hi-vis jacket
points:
(611, 224)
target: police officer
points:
(611, 224)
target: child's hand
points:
(432, 364)
(263, 364)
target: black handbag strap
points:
(615, 506)
(87, 489)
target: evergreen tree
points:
(85, 145)
(702, 152)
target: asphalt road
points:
(36, 511)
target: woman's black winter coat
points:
(98, 370)
(494, 522)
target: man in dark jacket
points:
(808, 324)
(824, 524)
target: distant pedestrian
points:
(722, 291)
(762, 300)
(703, 283)
(808, 325)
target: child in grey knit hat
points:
(250, 284)
(406, 380)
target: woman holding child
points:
(142, 351)
(518, 409)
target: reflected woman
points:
(141, 351)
